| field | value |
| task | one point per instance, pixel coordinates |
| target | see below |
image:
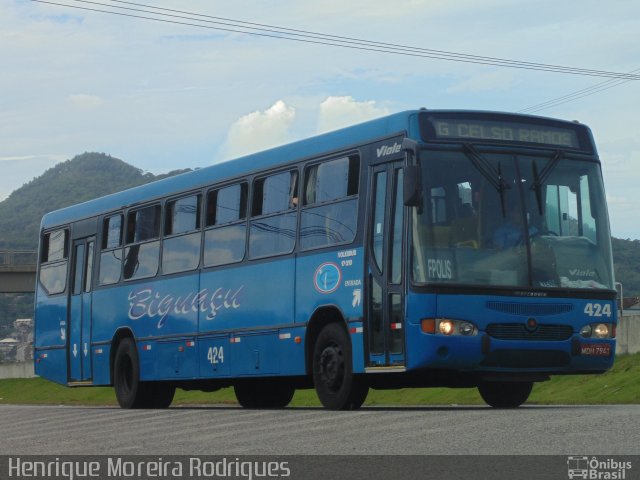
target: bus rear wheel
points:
(130, 391)
(336, 385)
(267, 393)
(160, 395)
(505, 394)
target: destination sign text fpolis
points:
(505, 132)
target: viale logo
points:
(582, 272)
(386, 150)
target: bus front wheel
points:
(505, 394)
(336, 385)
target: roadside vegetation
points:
(621, 385)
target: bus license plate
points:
(595, 349)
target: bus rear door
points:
(385, 318)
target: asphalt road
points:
(221, 430)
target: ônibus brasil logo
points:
(596, 468)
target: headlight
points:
(601, 331)
(598, 330)
(466, 328)
(448, 327)
(445, 327)
(586, 331)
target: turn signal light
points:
(428, 325)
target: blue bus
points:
(425, 248)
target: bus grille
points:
(518, 331)
(534, 309)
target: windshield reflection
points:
(515, 221)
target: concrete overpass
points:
(18, 271)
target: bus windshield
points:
(506, 220)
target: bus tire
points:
(130, 391)
(267, 393)
(505, 394)
(160, 395)
(336, 385)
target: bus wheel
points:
(336, 385)
(130, 391)
(505, 394)
(160, 395)
(267, 393)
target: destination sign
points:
(505, 132)
(491, 128)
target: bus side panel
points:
(162, 308)
(291, 346)
(100, 361)
(176, 358)
(214, 356)
(357, 344)
(419, 345)
(51, 364)
(50, 351)
(333, 279)
(250, 302)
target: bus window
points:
(224, 242)
(112, 237)
(53, 268)
(273, 228)
(377, 236)
(111, 255)
(330, 198)
(183, 215)
(181, 246)
(141, 255)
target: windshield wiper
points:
(493, 176)
(540, 178)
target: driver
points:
(511, 232)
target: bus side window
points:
(111, 255)
(274, 212)
(225, 237)
(330, 211)
(141, 255)
(181, 245)
(53, 261)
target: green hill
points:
(82, 178)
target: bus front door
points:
(79, 321)
(385, 317)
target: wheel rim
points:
(332, 367)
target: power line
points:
(585, 92)
(306, 33)
(304, 36)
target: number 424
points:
(215, 355)
(598, 309)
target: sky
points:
(162, 96)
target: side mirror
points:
(411, 188)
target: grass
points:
(621, 385)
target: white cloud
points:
(260, 130)
(338, 112)
(82, 100)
